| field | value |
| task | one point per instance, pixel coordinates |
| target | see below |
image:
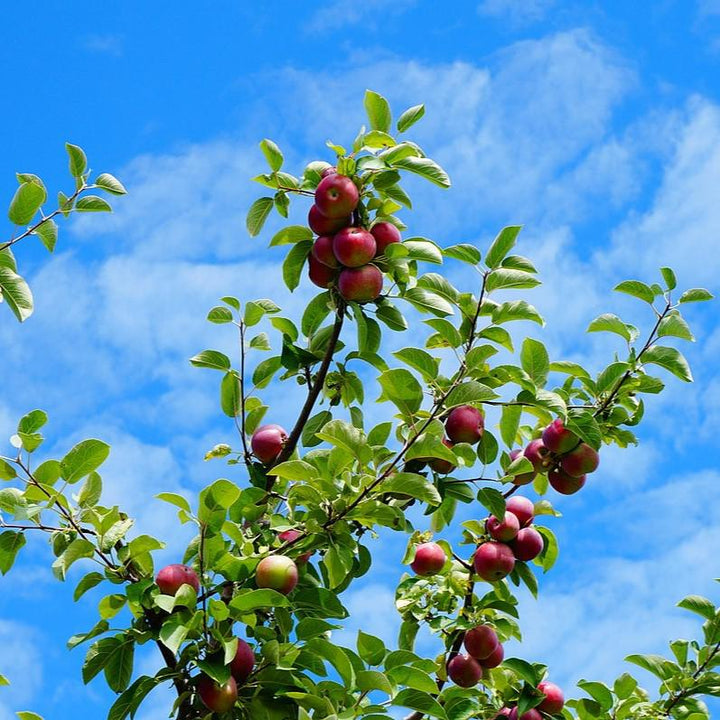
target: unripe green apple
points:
(464, 671)
(243, 663)
(361, 285)
(522, 508)
(481, 641)
(354, 246)
(554, 698)
(503, 530)
(322, 225)
(430, 558)
(385, 234)
(465, 424)
(217, 698)
(565, 484)
(172, 577)
(277, 572)
(336, 196)
(580, 461)
(493, 561)
(267, 442)
(558, 439)
(527, 545)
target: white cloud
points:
(105, 44)
(517, 12)
(21, 662)
(336, 15)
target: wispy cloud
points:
(336, 15)
(105, 44)
(517, 12)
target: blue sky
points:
(597, 125)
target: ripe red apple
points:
(481, 641)
(323, 252)
(493, 561)
(362, 284)
(330, 170)
(321, 275)
(527, 545)
(532, 714)
(217, 698)
(277, 572)
(465, 424)
(494, 658)
(522, 508)
(322, 225)
(336, 196)
(290, 536)
(354, 247)
(554, 698)
(385, 234)
(243, 663)
(267, 442)
(580, 461)
(503, 530)
(443, 467)
(172, 577)
(565, 484)
(557, 438)
(430, 558)
(464, 671)
(538, 455)
(523, 478)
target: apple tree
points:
(476, 414)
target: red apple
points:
(323, 252)
(523, 478)
(494, 658)
(336, 196)
(558, 439)
(267, 442)
(481, 641)
(528, 544)
(172, 577)
(532, 714)
(385, 234)
(554, 698)
(330, 170)
(522, 508)
(565, 484)
(290, 536)
(580, 461)
(443, 467)
(322, 225)
(354, 247)
(503, 530)
(538, 455)
(464, 671)
(217, 698)
(430, 558)
(321, 275)
(465, 424)
(362, 284)
(493, 561)
(243, 663)
(277, 572)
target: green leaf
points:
(470, 392)
(370, 648)
(88, 582)
(535, 361)
(48, 233)
(402, 389)
(257, 215)
(378, 111)
(698, 604)
(636, 289)
(674, 325)
(425, 167)
(427, 301)
(110, 184)
(410, 117)
(174, 499)
(211, 359)
(670, 359)
(669, 277)
(509, 423)
(7, 471)
(111, 605)
(413, 485)
(10, 544)
(314, 425)
(392, 317)
(83, 459)
(32, 421)
(76, 550)
(15, 291)
(493, 500)
(585, 426)
(291, 235)
(230, 395)
(78, 161)
(368, 680)
(272, 154)
(173, 633)
(28, 715)
(421, 701)
(516, 310)
(502, 245)
(130, 700)
(464, 252)
(550, 551)
(220, 314)
(294, 262)
(294, 470)
(505, 279)
(419, 360)
(26, 202)
(412, 677)
(251, 600)
(656, 664)
(346, 436)
(523, 669)
(696, 295)
(92, 203)
(607, 322)
(315, 312)
(91, 491)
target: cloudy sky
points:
(596, 125)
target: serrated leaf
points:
(402, 389)
(421, 701)
(535, 361)
(636, 289)
(696, 295)
(92, 203)
(410, 117)
(507, 279)
(220, 314)
(291, 235)
(501, 246)
(294, 262)
(48, 233)
(16, 293)
(700, 605)
(670, 359)
(10, 545)
(378, 111)
(427, 301)
(212, 359)
(258, 214)
(110, 184)
(516, 310)
(464, 252)
(83, 459)
(607, 322)
(413, 485)
(425, 167)
(272, 154)
(77, 159)
(674, 325)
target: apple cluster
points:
(343, 252)
(512, 538)
(483, 652)
(552, 704)
(562, 455)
